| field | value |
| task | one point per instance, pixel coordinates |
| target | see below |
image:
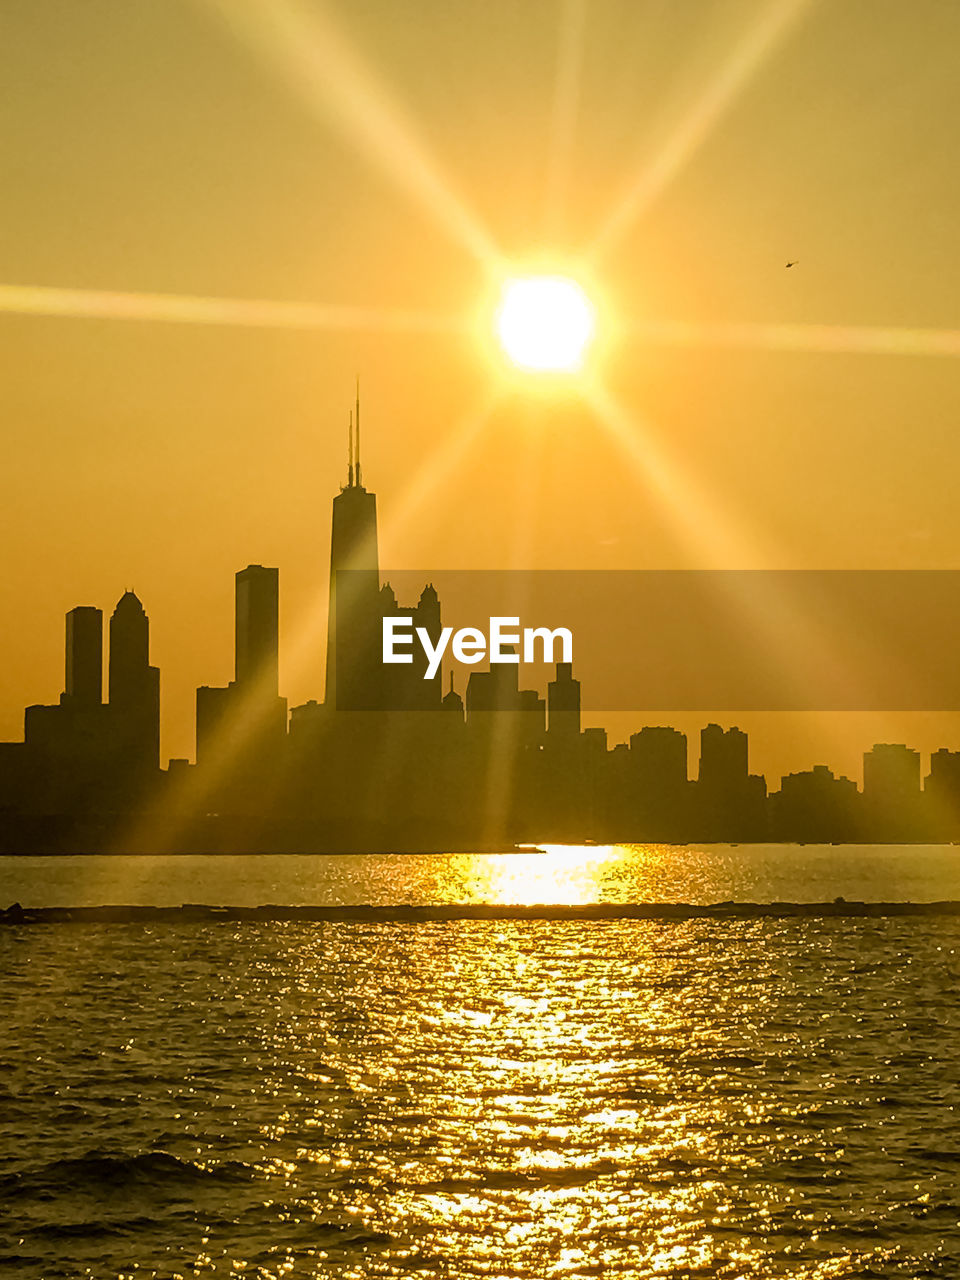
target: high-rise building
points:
(731, 801)
(563, 704)
(943, 780)
(258, 629)
(452, 701)
(404, 686)
(723, 757)
(892, 799)
(133, 685)
(215, 733)
(941, 792)
(129, 650)
(659, 757)
(353, 624)
(815, 805)
(83, 685)
(891, 774)
(241, 727)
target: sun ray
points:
(756, 45)
(437, 466)
(100, 304)
(815, 338)
(799, 644)
(565, 109)
(714, 537)
(161, 829)
(318, 61)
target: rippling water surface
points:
(496, 1099)
(562, 874)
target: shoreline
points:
(16, 914)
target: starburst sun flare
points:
(545, 323)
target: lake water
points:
(759, 1097)
(562, 874)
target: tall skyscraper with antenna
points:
(353, 627)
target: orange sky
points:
(362, 155)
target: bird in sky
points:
(791, 264)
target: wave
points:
(97, 1171)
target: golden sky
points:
(386, 157)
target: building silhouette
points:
(658, 783)
(240, 728)
(730, 798)
(815, 806)
(387, 760)
(83, 757)
(892, 791)
(942, 793)
(133, 688)
(563, 705)
(257, 644)
(83, 679)
(353, 637)
(404, 686)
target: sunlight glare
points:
(316, 59)
(179, 308)
(545, 323)
(719, 95)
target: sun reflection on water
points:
(562, 874)
(498, 1098)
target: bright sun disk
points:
(545, 323)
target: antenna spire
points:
(350, 453)
(357, 421)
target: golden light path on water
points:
(568, 875)
(499, 1098)
(562, 874)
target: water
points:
(768, 1098)
(565, 874)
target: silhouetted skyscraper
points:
(731, 800)
(452, 701)
(241, 728)
(129, 650)
(942, 794)
(943, 781)
(723, 757)
(257, 629)
(891, 774)
(891, 791)
(814, 805)
(353, 626)
(563, 704)
(83, 685)
(659, 758)
(134, 686)
(405, 687)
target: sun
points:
(545, 323)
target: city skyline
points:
(940, 729)
(173, 389)
(388, 758)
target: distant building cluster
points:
(390, 761)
